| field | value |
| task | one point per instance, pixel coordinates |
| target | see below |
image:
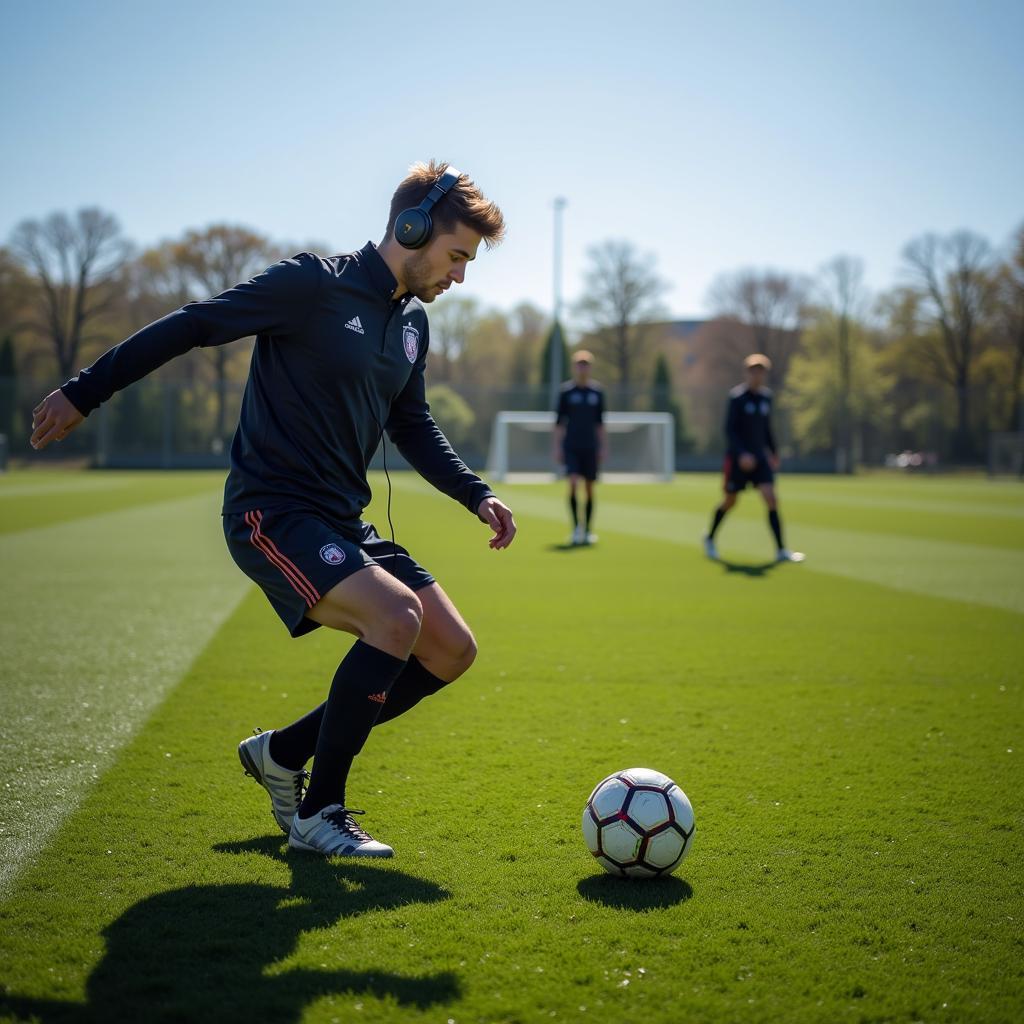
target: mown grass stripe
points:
(856, 792)
(954, 570)
(98, 620)
(29, 500)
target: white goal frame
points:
(614, 422)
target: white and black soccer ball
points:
(638, 823)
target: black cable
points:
(391, 525)
(382, 442)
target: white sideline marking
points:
(99, 619)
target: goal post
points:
(1006, 454)
(641, 446)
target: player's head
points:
(582, 361)
(458, 222)
(757, 367)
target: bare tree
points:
(621, 297)
(1010, 318)
(956, 288)
(452, 320)
(208, 262)
(771, 303)
(841, 294)
(76, 262)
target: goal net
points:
(641, 446)
(1006, 454)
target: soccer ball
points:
(638, 824)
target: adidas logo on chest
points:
(355, 325)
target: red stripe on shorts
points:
(291, 572)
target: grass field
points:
(848, 730)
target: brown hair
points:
(463, 203)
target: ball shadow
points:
(638, 894)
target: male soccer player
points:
(341, 346)
(580, 443)
(752, 457)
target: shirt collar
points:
(381, 278)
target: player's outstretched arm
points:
(53, 419)
(498, 516)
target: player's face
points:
(432, 270)
(755, 376)
(581, 371)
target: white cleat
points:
(334, 833)
(579, 536)
(590, 538)
(283, 785)
(710, 550)
(785, 555)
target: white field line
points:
(956, 571)
(99, 619)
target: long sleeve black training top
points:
(748, 425)
(336, 362)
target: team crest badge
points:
(332, 554)
(411, 341)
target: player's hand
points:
(748, 462)
(498, 516)
(53, 419)
(774, 461)
(557, 455)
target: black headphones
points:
(413, 226)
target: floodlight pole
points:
(556, 368)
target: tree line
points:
(934, 363)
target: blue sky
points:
(715, 136)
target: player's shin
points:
(358, 693)
(716, 521)
(412, 685)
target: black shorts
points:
(581, 462)
(295, 557)
(736, 479)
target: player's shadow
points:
(569, 546)
(220, 952)
(635, 893)
(747, 568)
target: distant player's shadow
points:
(571, 547)
(635, 893)
(747, 568)
(215, 952)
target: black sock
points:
(412, 685)
(575, 509)
(589, 512)
(716, 522)
(358, 693)
(292, 746)
(773, 521)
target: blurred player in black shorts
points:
(580, 442)
(751, 457)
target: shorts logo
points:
(411, 341)
(332, 554)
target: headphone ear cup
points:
(412, 228)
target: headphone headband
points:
(443, 185)
(413, 226)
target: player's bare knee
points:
(397, 627)
(465, 652)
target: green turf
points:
(850, 742)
